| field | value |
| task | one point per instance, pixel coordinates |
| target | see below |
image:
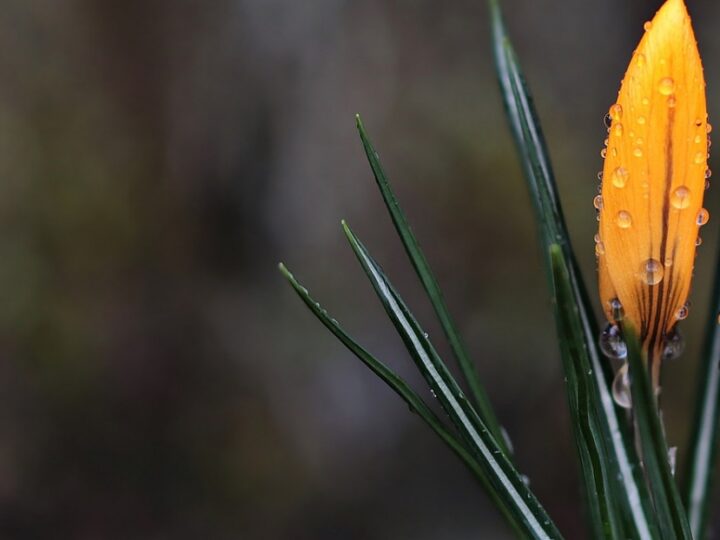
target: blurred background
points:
(159, 379)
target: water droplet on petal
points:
(673, 345)
(698, 241)
(698, 139)
(616, 112)
(623, 219)
(671, 102)
(680, 198)
(607, 120)
(641, 120)
(617, 129)
(637, 152)
(651, 272)
(700, 157)
(709, 127)
(616, 309)
(603, 153)
(708, 173)
(620, 177)
(668, 262)
(647, 26)
(640, 59)
(682, 313)
(666, 86)
(645, 101)
(599, 249)
(598, 202)
(600, 175)
(611, 342)
(621, 388)
(703, 217)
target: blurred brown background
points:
(158, 158)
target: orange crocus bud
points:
(654, 177)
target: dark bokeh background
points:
(159, 157)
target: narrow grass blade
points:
(422, 268)
(413, 400)
(669, 510)
(507, 488)
(702, 452)
(595, 462)
(526, 130)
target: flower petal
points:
(654, 179)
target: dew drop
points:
(596, 238)
(647, 26)
(599, 249)
(621, 388)
(671, 102)
(680, 198)
(616, 112)
(682, 313)
(611, 342)
(620, 177)
(698, 241)
(651, 272)
(698, 139)
(640, 59)
(623, 219)
(607, 120)
(603, 153)
(672, 459)
(700, 157)
(598, 202)
(668, 262)
(641, 120)
(645, 101)
(703, 217)
(709, 127)
(666, 86)
(638, 152)
(617, 129)
(708, 173)
(600, 176)
(673, 345)
(616, 309)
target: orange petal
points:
(654, 179)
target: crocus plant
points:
(649, 211)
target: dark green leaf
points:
(506, 485)
(422, 268)
(669, 510)
(526, 130)
(702, 453)
(415, 402)
(594, 459)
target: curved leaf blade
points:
(525, 127)
(388, 376)
(507, 488)
(430, 284)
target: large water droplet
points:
(647, 26)
(621, 388)
(611, 342)
(598, 202)
(666, 86)
(652, 272)
(703, 217)
(623, 219)
(680, 198)
(673, 345)
(616, 112)
(620, 177)
(607, 120)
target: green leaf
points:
(422, 268)
(702, 453)
(414, 401)
(669, 510)
(506, 485)
(531, 146)
(595, 461)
